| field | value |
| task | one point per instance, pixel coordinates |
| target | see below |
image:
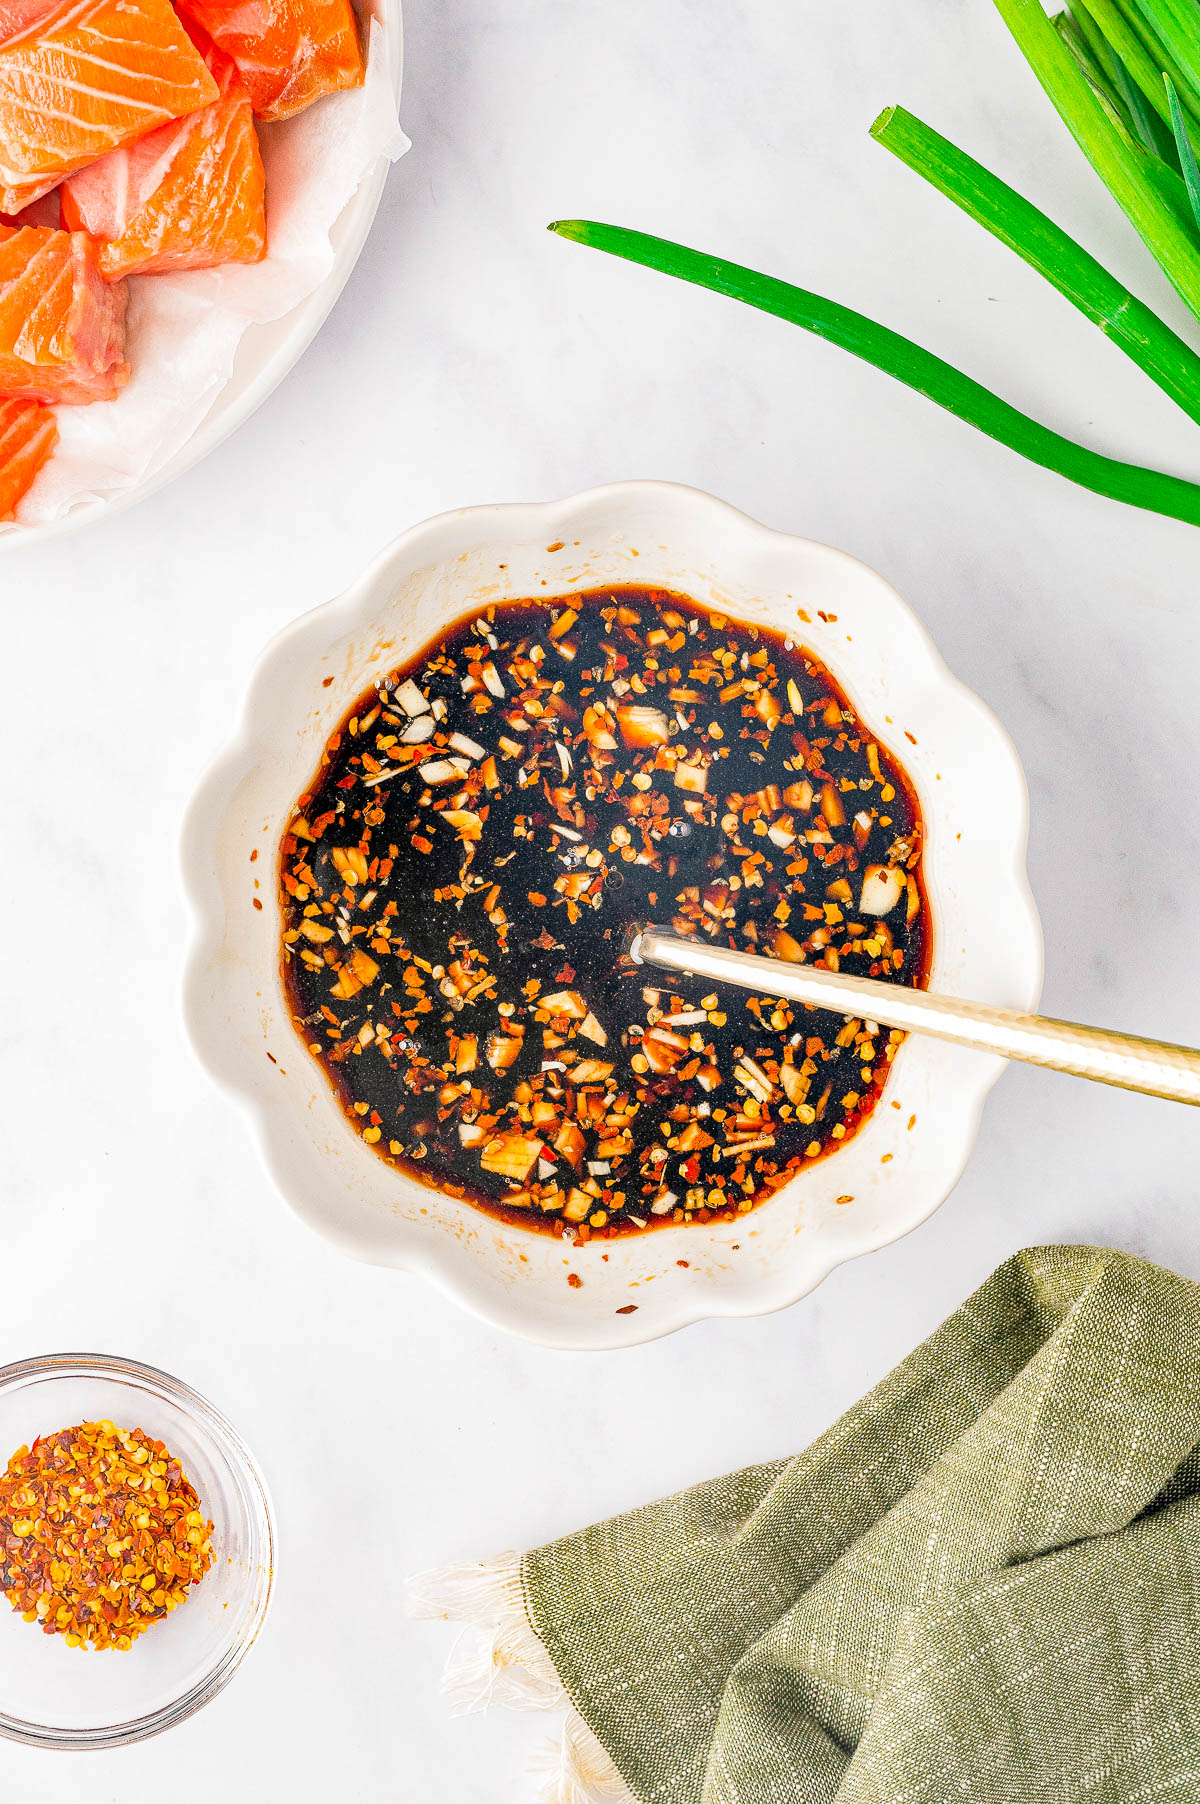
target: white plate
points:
(987, 942)
(268, 349)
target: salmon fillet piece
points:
(28, 435)
(80, 77)
(187, 196)
(62, 326)
(289, 52)
(45, 211)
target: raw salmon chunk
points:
(28, 435)
(45, 211)
(186, 196)
(62, 326)
(290, 52)
(80, 77)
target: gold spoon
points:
(1154, 1067)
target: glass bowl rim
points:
(119, 1367)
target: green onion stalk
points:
(1124, 76)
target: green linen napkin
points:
(981, 1585)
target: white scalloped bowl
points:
(987, 942)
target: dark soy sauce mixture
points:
(458, 883)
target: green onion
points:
(1120, 163)
(899, 357)
(1173, 25)
(1124, 93)
(1016, 222)
(1168, 185)
(1158, 54)
(1129, 47)
(1183, 144)
(1149, 128)
(1101, 78)
(1097, 69)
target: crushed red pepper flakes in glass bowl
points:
(101, 1534)
(143, 1527)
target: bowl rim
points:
(438, 541)
(236, 400)
(48, 1366)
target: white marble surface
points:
(474, 358)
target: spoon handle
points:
(1152, 1066)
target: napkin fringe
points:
(576, 1769)
(500, 1661)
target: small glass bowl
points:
(54, 1696)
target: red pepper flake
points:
(627, 1309)
(574, 1280)
(101, 1534)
